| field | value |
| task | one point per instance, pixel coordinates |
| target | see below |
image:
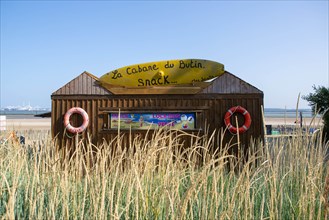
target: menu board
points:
(177, 120)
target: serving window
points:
(144, 120)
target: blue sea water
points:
(287, 113)
(22, 112)
(269, 112)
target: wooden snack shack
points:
(193, 109)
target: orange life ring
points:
(67, 116)
(247, 120)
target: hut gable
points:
(84, 84)
(229, 83)
(87, 84)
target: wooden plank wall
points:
(212, 106)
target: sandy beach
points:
(26, 125)
(291, 121)
(26, 122)
(29, 122)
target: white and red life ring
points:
(247, 120)
(85, 118)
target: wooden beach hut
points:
(207, 107)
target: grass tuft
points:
(286, 178)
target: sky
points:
(280, 47)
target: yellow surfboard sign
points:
(163, 73)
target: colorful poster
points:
(175, 120)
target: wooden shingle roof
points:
(229, 83)
(84, 84)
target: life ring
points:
(67, 116)
(247, 120)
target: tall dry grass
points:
(155, 179)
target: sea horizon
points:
(268, 112)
